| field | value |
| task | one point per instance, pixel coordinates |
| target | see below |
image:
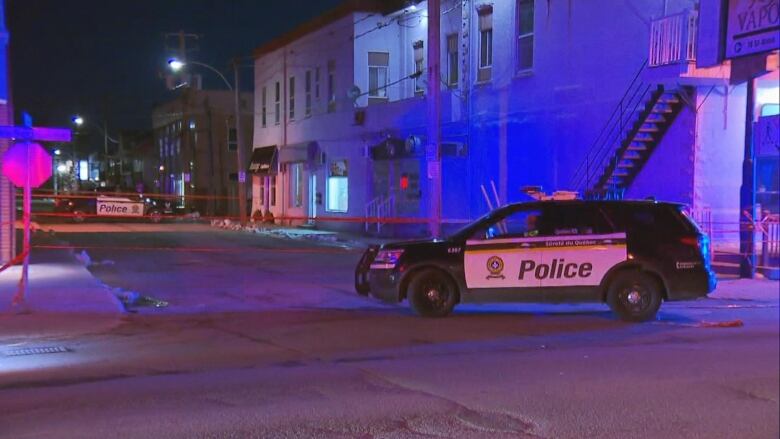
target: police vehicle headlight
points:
(388, 257)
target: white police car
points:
(630, 254)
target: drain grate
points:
(36, 351)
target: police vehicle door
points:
(580, 246)
(498, 254)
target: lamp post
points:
(177, 65)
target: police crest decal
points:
(495, 265)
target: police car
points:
(630, 254)
(105, 205)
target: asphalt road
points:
(264, 338)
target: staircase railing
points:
(609, 139)
(673, 39)
(378, 208)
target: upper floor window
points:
(331, 86)
(263, 108)
(277, 103)
(525, 35)
(484, 73)
(317, 83)
(291, 93)
(419, 67)
(307, 89)
(452, 60)
(377, 76)
(232, 139)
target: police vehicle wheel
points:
(634, 296)
(78, 216)
(155, 216)
(431, 294)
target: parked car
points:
(81, 206)
(630, 254)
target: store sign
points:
(753, 27)
(119, 207)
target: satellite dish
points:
(354, 93)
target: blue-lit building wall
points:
(518, 127)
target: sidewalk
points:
(759, 290)
(59, 283)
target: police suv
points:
(630, 254)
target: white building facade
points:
(528, 90)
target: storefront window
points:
(338, 186)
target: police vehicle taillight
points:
(388, 257)
(691, 241)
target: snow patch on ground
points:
(320, 236)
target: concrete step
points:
(637, 146)
(626, 164)
(620, 173)
(632, 154)
(643, 137)
(669, 98)
(655, 118)
(661, 108)
(649, 128)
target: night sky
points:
(103, 58)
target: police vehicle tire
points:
(431, 293)
(155, 216)
(634, 296)
(78, 216)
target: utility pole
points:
(241, 169)
(432, 149)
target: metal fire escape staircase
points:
(625, 143)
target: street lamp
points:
(80, 121)
(176, 65)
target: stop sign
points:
(16, 165)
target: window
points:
(291, 94)
(277, 104)
(261, 193)
(523, 223)
(296, 184)
(317, 83)
(338, 188)
(377, 76)
(307, 86)
(452, 60)
(331, 86)
(419, 67)
(272, 192)
(263, 110)
(525, 35)
(232, 140)
(484, 73)
(575, 220)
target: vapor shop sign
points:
(753, 27)
(111, 206)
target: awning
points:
(264, 160)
